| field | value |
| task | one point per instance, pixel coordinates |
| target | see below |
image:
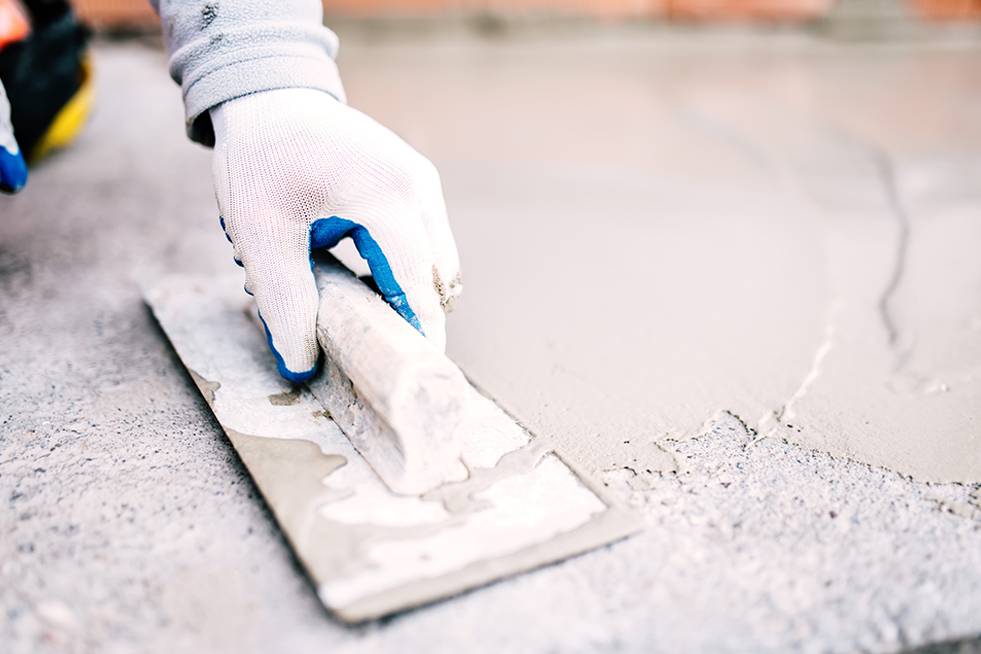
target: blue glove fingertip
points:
(284, 372)
(13, 171)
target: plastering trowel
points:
(396, 482)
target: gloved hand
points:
(297, 170)
(13, 169)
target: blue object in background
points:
(13, 171)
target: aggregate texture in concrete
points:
(130, 524)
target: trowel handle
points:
(417, 395)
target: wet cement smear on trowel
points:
(208, 388)
(291, 472)
(294, 477)
(461, 497)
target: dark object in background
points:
(43, 72)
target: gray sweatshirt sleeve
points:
(223, 49)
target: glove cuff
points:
(208, 81)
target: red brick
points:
(727, 10)
(948, 9)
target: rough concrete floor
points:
(129, 524)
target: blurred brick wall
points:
(748, 9)
(115, 13)
(689, 9)
(949, 9)
(611, 8)
(121, 13)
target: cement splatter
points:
(286, 398)
(209, 12)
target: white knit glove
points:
(296, 170)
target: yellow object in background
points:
(70, 119)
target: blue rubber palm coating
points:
(328, 232)
(13, 171)
(325, 233)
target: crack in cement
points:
(770, 421)
(887, 175)
(885, 171)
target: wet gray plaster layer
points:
(790, 234)
(784, 229)
(129, 524)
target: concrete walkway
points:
(663, 178)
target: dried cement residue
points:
(758, 536)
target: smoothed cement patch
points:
(770, 233)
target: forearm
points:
(223, 50)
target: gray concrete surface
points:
(129, 525)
